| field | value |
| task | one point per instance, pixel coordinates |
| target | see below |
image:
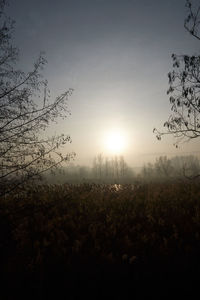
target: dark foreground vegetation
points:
(99, 242)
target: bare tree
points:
(186, 166)
(163, 167)
(192, 21)
(184, 88)
(25, 152)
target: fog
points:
(115, 170)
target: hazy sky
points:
(116, 55)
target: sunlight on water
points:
(118, 187)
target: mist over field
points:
(115, 170)
(99, 149)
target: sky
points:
(116, 55)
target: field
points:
(101, 241)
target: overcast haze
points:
(116, 56)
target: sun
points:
(115, 142)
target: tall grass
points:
(65, 233)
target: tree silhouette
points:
(25, 152)
(184, 88)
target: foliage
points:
(184, 88)
(24, 151)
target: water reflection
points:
(117, 187)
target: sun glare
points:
(115, 142)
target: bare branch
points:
(24, 152)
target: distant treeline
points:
(116, 170)
(104, 170)
(178, 167)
